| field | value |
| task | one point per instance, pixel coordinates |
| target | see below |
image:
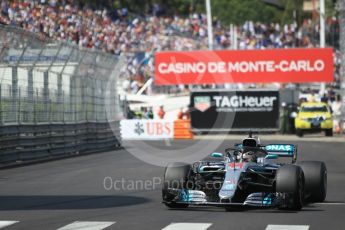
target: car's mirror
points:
(271, 156)
(217, 155)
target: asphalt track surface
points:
(71, 194)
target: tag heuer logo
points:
(202, 103)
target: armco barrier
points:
(182, 129)
(21, 143)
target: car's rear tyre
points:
(315, 174)
(175, 177)
(299, 132)
(329, 132)
(290, 182)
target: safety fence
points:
(20, 143)
(56, 99)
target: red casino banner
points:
(245, 66)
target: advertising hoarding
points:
(235, 110)
(244, 66)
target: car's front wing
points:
(199, 198)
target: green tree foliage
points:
(293, 11)
(238, 11)
(228, 11)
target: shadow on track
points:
(245, 210)
(51, 202)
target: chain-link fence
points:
(49, 82)
(46, 81)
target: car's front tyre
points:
(175, 177)
(315, 173)
(290, 182)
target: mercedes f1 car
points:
(247, 175)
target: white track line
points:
(5, 223)
(187, 226)
(330, 203)
(87, 225)
(287, 227)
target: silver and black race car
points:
(247, 175)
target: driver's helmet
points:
(248, 156)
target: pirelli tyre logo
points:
(244, 103)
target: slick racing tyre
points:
(315, 174)
(175, 177)
(290, 182)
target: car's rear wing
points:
(282, 150)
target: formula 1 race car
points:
(247, 175)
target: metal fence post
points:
(36, 112)
(30, 97)
(14, 92)
(84, 101)
(59, 98)
(19, 106)
(46, 95)
(71, 92)
(63, 107)
(103, 112)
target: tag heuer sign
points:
(202, 103)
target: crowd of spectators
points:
(96, 29)
(139, 37)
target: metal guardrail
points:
(20, 143)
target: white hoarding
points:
(146, 129)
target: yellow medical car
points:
(314, 117)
